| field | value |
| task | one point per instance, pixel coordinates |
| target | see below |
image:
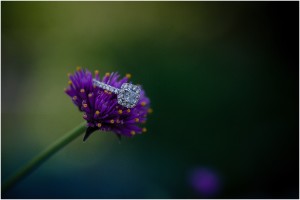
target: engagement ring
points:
(128, 95)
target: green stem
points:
(43, 156)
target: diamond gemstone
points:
(129, 96)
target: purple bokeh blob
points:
(205, 182)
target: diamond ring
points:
(128, 95)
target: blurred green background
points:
(222, 78)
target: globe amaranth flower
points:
(100, 107)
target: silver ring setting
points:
(128, 95)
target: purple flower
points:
(205, 182)
(100, 107)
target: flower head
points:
(100, 107)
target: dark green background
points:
(222, 78)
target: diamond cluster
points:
(129, 95)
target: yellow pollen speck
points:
(97, 112)
(107, 74)
(144, 130)
(120, 112)
(128, 110)
(150, 110)
(128, 76)
(143, 103)
(90, 94)
(109, 92)
(74, 98)
(70, 82)
(78, 68)
(112, 121)
(85, 105)
(96, 72)
(137, 119)
(132, 132)
(82, 90)
(99, 125)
